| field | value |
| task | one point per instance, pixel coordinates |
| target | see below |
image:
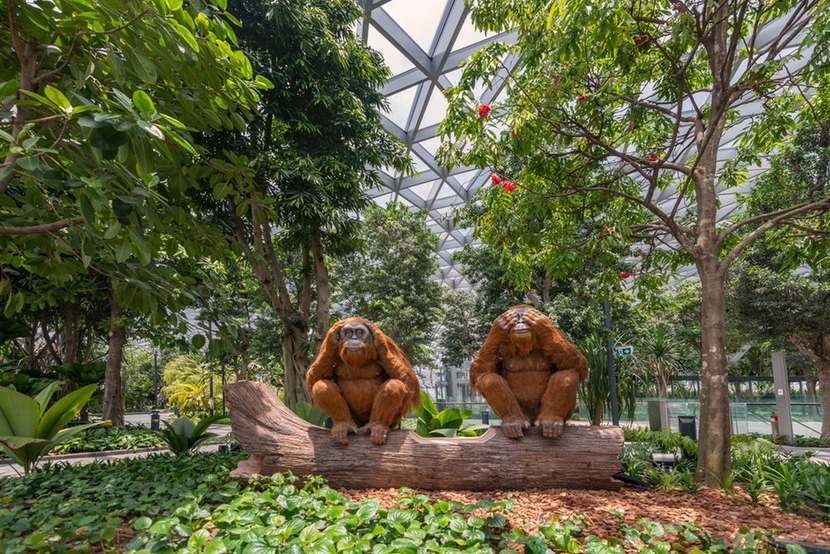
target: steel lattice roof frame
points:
(429, 77)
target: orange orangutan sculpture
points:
(361, 377)
(528, 372)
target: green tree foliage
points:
(303, 165)
(390, 279)
(459, 331)
(776, 303)
(99, 106)
(187, 383)
(613, 123)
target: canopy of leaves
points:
(390, 279)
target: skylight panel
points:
(419, 19)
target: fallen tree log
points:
(277, 440)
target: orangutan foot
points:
(340, 431)
(377, 432)
(513, 428)
(551, 427)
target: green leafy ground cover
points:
(101, 439)
(758, 467)
(190, 504)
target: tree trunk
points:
(596, 416)
(715, 427)
(321, 276)
(244, 354)
(662, 395)
(113, 387)
(71, 332)
(295, 363)
(824, 382)
(277, 440)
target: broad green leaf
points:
(186, 36)
(143, 102)
(86, 209)
(198, 341)
(57, 98)
(112, 231)
(45, 395)
(8, 88)
(19, 414)
(16, 443)
(64, 410)
(174, 5)
(14, 304)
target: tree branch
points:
(823, 204)
(39, 229)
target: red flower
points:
(555, 80)
(624, 275)
(678, 6)
(483, 110)
(652, 158)
(640, 40)
(508, 186)
(581, 98)
(495, 179)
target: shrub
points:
(183, 436)
(28, 430)
(130, 437)
(446, 423)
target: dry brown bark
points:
(277, 440)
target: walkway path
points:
(8, 469)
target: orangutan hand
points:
(513, 428)
(504, 322)
(340, 431)
(537, 321)
(551, 427)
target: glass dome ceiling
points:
(424, 43)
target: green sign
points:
(624, 351)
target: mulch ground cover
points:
(720, 514)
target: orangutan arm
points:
(487, 359)
(327, 359)
(397, 366)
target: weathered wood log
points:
(278, 440)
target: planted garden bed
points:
(191, 504)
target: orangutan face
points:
(355, 343)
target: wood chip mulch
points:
(720, 514)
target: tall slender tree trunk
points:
(71, 332)
(824, 382)
(662, 395)
(244, 354)
(715, 427)
(294, 362)
(113, 386)
(321, 276)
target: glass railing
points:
(750, 416)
